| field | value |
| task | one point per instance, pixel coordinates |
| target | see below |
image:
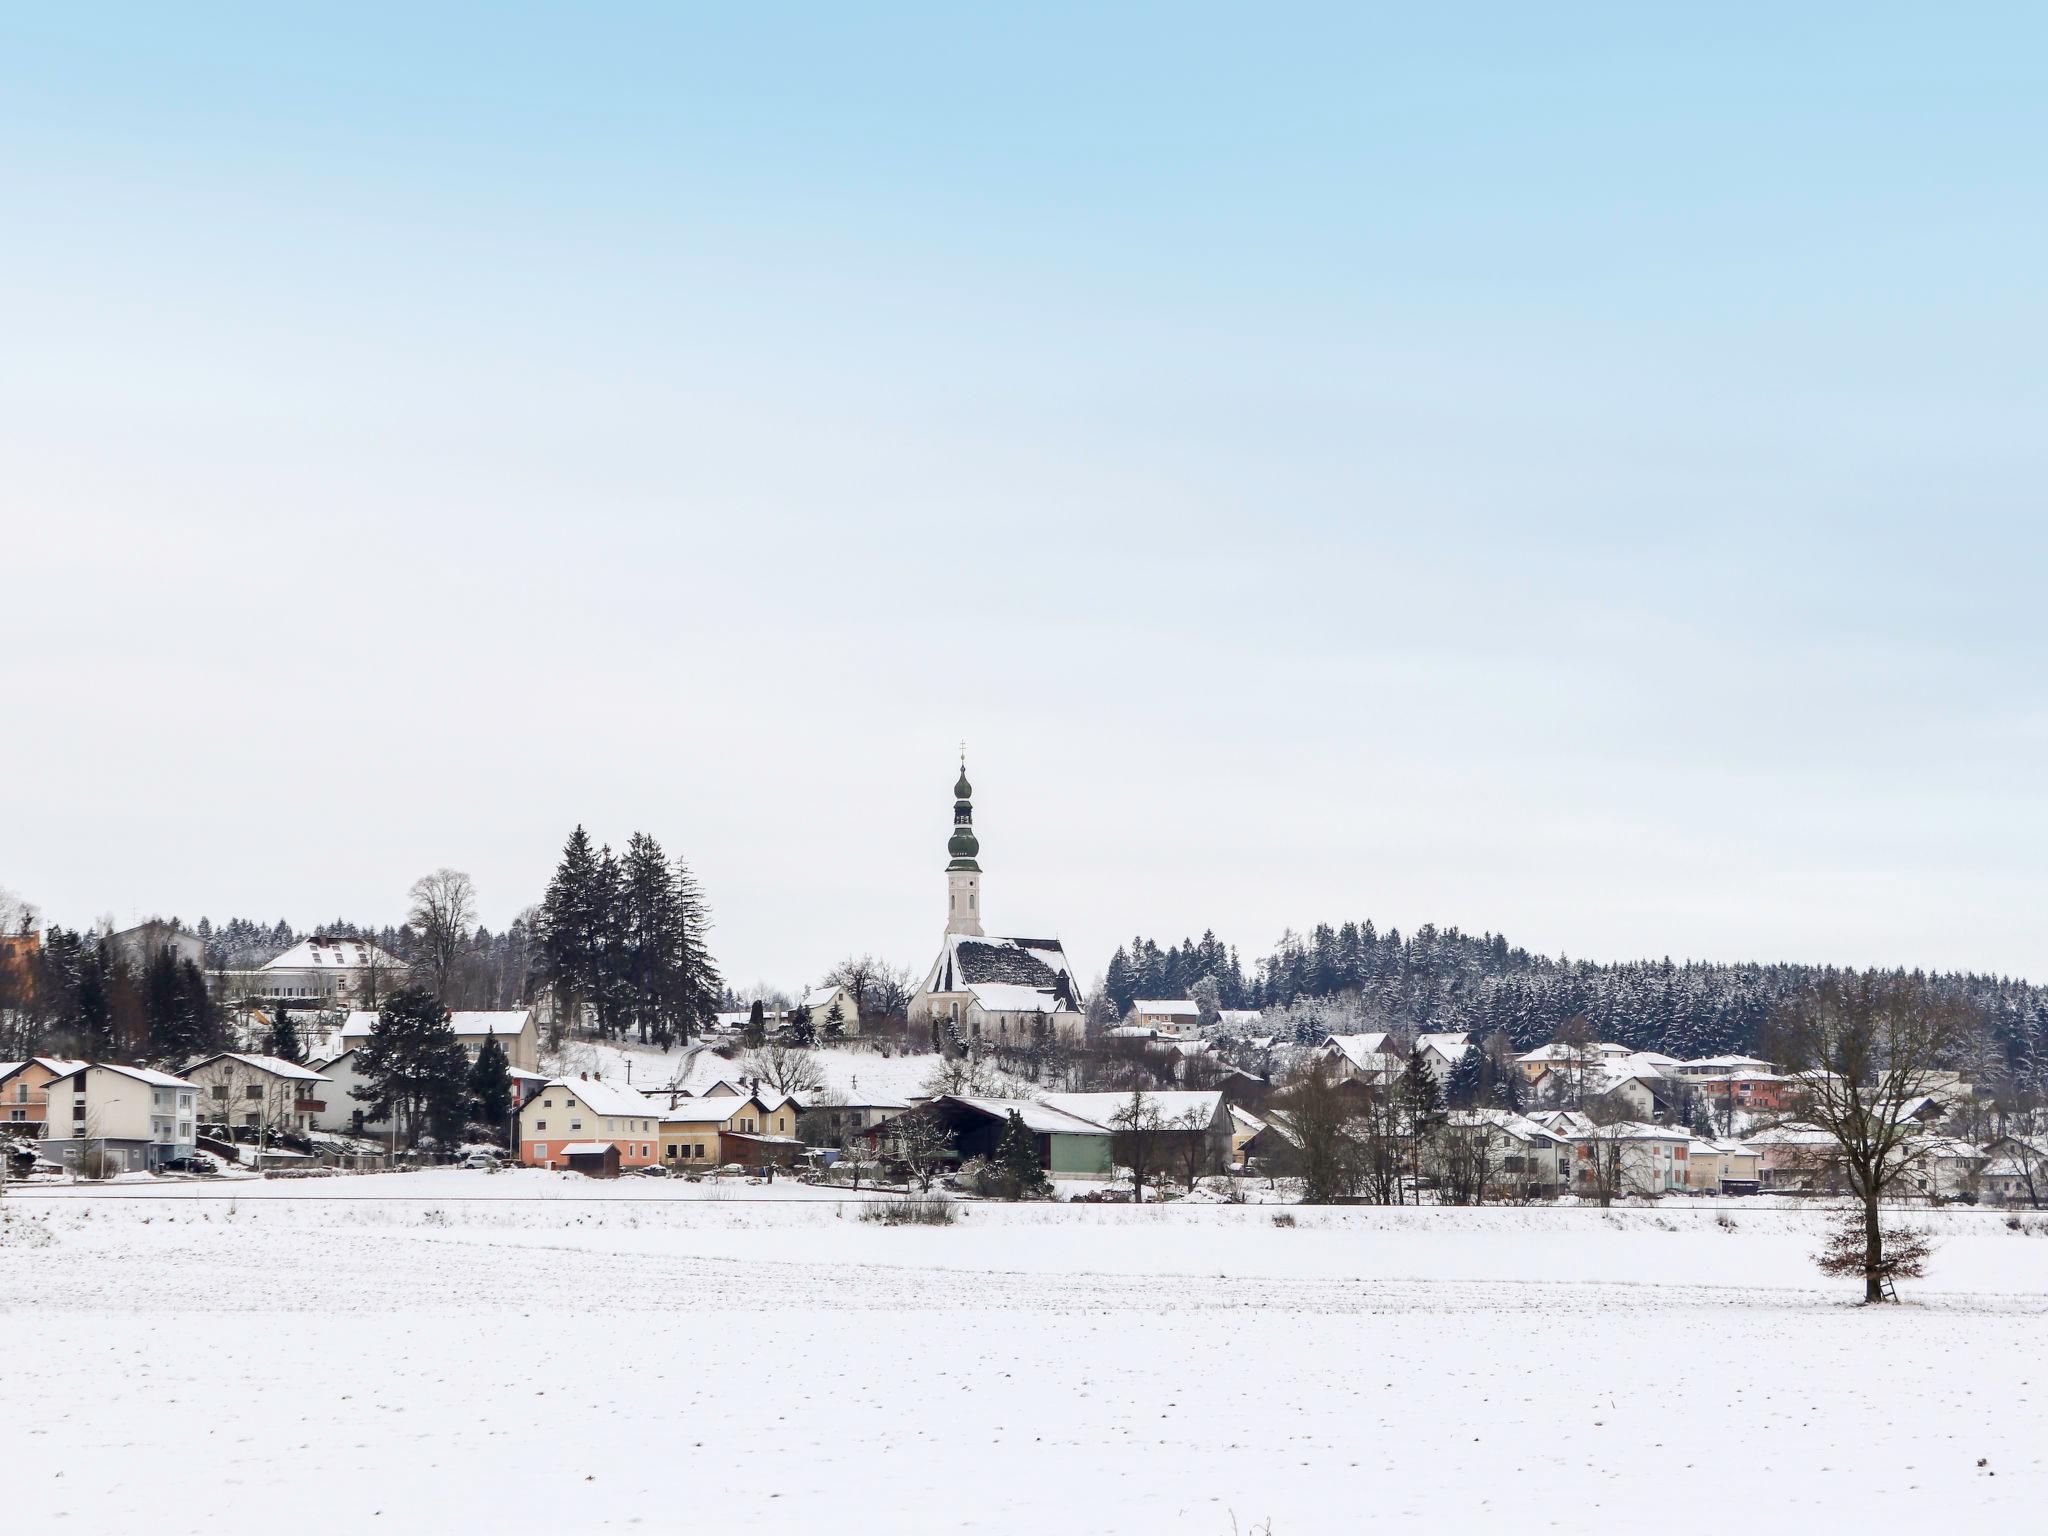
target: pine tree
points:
(699, 985)
(490, 1085)
(572, 922)
(1463, 1085)
(835, 1023)
(801, 1031)
(414, 1070)
(282, 1040)
(1017, 1162)
(756, 1032)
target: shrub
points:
(912, 1211)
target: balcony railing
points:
(310, 1106)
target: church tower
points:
(963, 875)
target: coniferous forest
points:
(1351, 974)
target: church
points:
(993, 991)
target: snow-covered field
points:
(447, 1351)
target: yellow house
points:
(727, 1128)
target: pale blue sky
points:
(1575, 472)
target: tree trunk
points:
(1873, 1253)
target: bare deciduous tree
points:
(1135, 1143)
(785, 1068)
(442, 914)
(1865, 1048)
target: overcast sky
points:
(1574, 475)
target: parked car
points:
(479, 1160)
(189, 1165)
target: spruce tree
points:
(756, 1032)
(835, 1023)
(801, 1031)
(490, 1085)
(1463, 1085)
(571, 931)
(414, 1071)
(1017, 1162)
(282, 1039)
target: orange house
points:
(577, 1111)
(25, 1089)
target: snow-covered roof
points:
(604, 1098)
(276, 1066)
(1726, 1063)
(1173, 1106)
(1368, 1053)
(1558, 1050)
(1245, 1120)
(715, 1111)
(148, 1075)
(1037, 1117)
(1791, 1136)
(466, 1023)
(56, 1066)
(1172, 1007)
(1452, 1045)
(1506, 1121)
(585, 1148)
(1006, 975)
(333, 955)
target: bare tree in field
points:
(443, 913)
(1135, 1144)
(1865, 1048)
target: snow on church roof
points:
(1006, 975)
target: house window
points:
(540, 1151)
(540, 1125)
(253, 1091)
(575, 1125)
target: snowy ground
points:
(435, 1349)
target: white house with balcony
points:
(132, 1119)
(264, 1093)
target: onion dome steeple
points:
(963, 845)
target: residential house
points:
(1946, 1168)
(321, 970)
(25, 1091)
(1168, 1015)
(1244, 1126)
(2015, 1171)
(136, 947)
(1373, 1059)
(265, 1093)
(1722, 1066)
(1630, 1157)
(1794, 1157)
(828, 1121)
(716, 1129)
(1722, 1167)
(1497, 1154)
(1560, 1056)
(575, 1110)
(515, 1029)
(344, 1113)
(1441, 1053)
(128, 1119)
(820, 1002)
